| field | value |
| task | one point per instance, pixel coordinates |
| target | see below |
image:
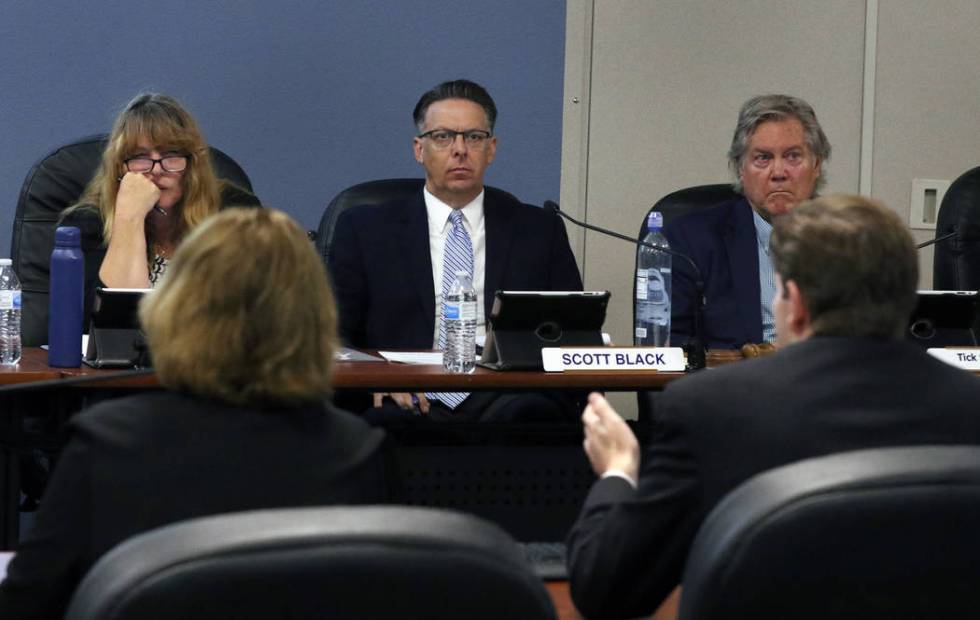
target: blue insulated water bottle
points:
(67, 299)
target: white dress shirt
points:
(439, 226)
(767, 277)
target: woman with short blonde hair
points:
(243, 332)
(223, 325)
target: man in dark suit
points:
(843, 378)
(777, 156)
(388, 261)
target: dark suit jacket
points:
(137, 463)
(722, 242)
(715, 429)
(382, 268)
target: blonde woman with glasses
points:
(155, 183)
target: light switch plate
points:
(927, 195)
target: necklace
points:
(161, 250)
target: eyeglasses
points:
(442, 138)
(170, 163)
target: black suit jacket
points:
(137, 463)
(716, 429)
(722, 242)
(382, 268)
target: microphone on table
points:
(926, 244)
(694, 348)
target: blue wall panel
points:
(309, 96)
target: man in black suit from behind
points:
(387, 261)
(842, 379)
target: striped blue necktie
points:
(458, 256)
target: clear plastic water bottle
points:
(459, 316)
(10, 349)
(652, 309)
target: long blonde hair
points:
(245, 312)
(163, 122)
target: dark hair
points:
(456, 89)
(854, 262)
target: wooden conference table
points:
(377, 375)
(47, 395)
(41, 386)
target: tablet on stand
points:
(521, 323)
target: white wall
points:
(927, 103)
(660, 84)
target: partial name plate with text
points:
(967, 359)
(664, 359)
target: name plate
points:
(967, 359)
(556, 359)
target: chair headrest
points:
(364, 562)
(879, 533)
(960, 208)
(688, 199)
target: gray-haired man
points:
(777, 157)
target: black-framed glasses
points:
(168, 163)
(442, 138)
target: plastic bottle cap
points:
(4, 262)
(655, 220)
(67, 236)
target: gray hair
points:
(763, 108)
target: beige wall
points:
(927, 103)
(659, 84)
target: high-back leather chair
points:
(367, 193)
(871, 534)
(682, 201)
(52, 185)
(672, 206)
(688, 199)
(365, 563)
(956, 262)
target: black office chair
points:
(883, 533)
(672, 206)
(375, 562)
(52, 185)
(956, 261)
(682, 201)
(688, 199)
(367, 193)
